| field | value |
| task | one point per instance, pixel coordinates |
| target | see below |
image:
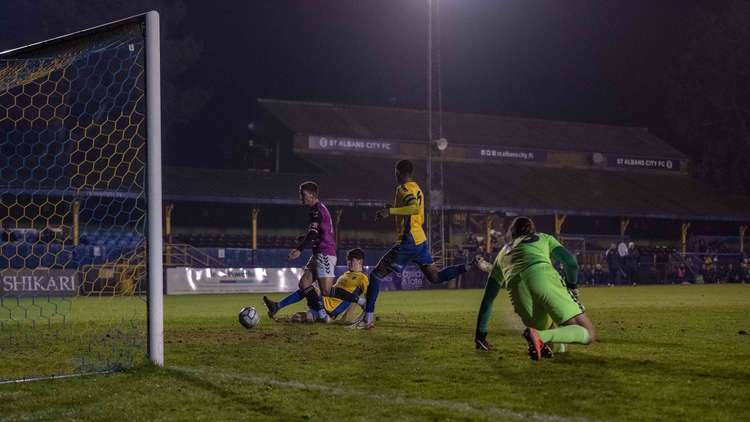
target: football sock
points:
(485, 309)
(565, 334)
(558, 348)
(344, 295)
(313, 300)
(449, 273)
(310, 301)
(291, 299)
(373, 290)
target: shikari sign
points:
(38, 282)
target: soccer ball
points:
(249, 317)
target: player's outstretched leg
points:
(273, 307)
(435, 276)
(315, 303)
(385, 266)
(491, 289)
(373, 290)
(578, 329)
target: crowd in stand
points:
(626, 263)
(713, 270)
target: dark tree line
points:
(709, 98)
(181, 100)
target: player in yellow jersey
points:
(411, 244)
(353, 281)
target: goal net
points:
(78, 138)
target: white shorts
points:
(322, 266)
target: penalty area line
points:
(450, 405)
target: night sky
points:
(591, 61)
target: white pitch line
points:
(454, 406)
(52, 377)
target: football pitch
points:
(664, 353)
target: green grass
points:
(665, 353)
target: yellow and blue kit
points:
(353, 282)
(411, 244)
(409, 194)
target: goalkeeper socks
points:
(558, 347)
(565, 334)
(373, 290)
(344, 295)
(449, 273)
(291, 299)
(485, 309)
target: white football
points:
(249, 317)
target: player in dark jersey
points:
(547, 305)
(411, 244)
(322, 264)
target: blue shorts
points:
(404, 253)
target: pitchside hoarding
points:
(369, 145)
(185, 280)
(38, 282)
(644, 163)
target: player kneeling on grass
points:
(353, 281)
(547, 305)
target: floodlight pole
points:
(429, 122)
(155, 238)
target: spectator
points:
(745, 271)
(599, 274)
(681, 275)
(622, 251)
(585, 275)
(633, 260)
(732, 274)
(613, 264)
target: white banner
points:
(184, 280)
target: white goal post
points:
(155, 237)
(81, 273)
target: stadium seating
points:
(24, 249)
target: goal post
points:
(81, 276)
(155, 238)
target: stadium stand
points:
(570, 184)
(578, 174)
(497, 166)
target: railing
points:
(184, 255)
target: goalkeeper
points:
(547, 305)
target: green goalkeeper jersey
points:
(522, 253)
